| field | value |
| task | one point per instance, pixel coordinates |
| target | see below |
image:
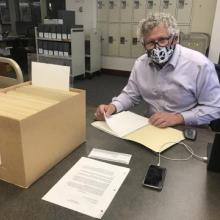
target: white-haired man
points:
(179, 85)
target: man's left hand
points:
(165, 119)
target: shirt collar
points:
(174, 59)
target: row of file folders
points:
(54, 48)
(57, 31)
(54, 31)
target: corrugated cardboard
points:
(38, 128)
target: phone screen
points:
(155, 177)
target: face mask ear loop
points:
(175, 37)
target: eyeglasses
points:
(162, 42)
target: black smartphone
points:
(155, 177)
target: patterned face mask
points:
(161, 55)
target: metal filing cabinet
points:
(152, 6)
(118, 19)
(92, 51)
(102, 10)
(138, 10)
(168, 6)
(125, 40)
(67, 52)
(184, 8)
(113, 39)
(103, 28)
(113, 10)
(125, 10)
(136, 47)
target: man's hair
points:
(146, 25)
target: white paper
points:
(125, 122)
(50, 76)
(88, 187)
(110, 156)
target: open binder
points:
(130, 126)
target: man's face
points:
(158, 36)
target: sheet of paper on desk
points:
(110, 156)
(88, 187)
(125, 122)
(50, 76)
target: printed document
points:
(125, 122)
(88, 187)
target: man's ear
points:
(176, 39)
(143, 44)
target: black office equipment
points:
(59, 31)
(40, 47)
(66, 49)
(64, 32)
(215, 124)
(53, 31)
(213, 154)
(67, 16)
(190, 133)
(25, 29)
(50, 48)
(45, 48)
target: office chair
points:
(7, 81)
(217, 68)
(215, 124)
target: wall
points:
(203, 13)
(214, 52)
(85, 11)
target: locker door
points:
(103, 28)
(136, 47)
(184, 9)
(125, 10)
(113, 9)
(102, 10)
(168, 6)
(152, 6)
(113, 39)
(138, 10)
(125, 40)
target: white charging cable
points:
(187, 147)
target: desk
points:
(190, 192)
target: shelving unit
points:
(92, 51)
(68, 52)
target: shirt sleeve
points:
(208, 98)
(129, 96)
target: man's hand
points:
(108, 109)
(165, 119)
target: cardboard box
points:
(38, 128)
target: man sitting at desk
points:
(179, 85)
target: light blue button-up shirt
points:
(187, 84)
